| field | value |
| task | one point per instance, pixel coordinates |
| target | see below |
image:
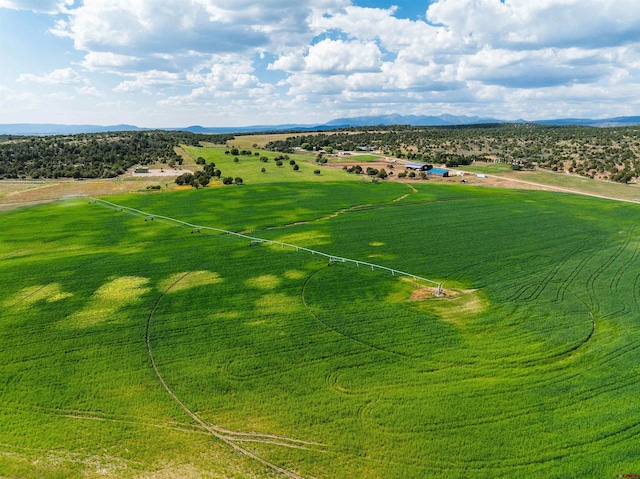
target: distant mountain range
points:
(381, 120)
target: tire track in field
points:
(341, 333)
(218, 433)
(25, 297)
(519, 294)
(615, 280)
(604, 266)
(636, 292)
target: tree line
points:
(607, 153)
(94, 155)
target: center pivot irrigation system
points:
(255, 241)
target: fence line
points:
(254, 240)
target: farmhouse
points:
(418, 166)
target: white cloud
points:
(39, 6)
(522, 24)
(60, 76)
(144, 80)
(138, 28)
(331, 57)
(88, 90)
(463, 56)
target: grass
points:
(489, 168)
(579, 183)
(530, 369)
(249, 167)
(559, 180)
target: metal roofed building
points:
(418, 166)
(438, 172)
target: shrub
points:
(296, 167)
(227, 180)
(200, 161)
(316, 172)
(238, 180)
(263, 170)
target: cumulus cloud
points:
(61, 76)
(333, 57)
(524, 24)
(38, 6)
(139, 28)
(142, 81)
(462, 56)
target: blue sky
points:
(164, 63)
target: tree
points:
(227, 180)
(210, 168)
(296, 167)
(382, 174)
(200, 161)
(263, 170)
(202, 177)
(184, 179)
(292, 162)
(316, 172)
(238, 180)
(306, 146)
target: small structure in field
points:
(142, 169)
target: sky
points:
(176, 63)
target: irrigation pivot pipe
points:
(254, 239)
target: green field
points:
(528, 367)
(249, 168)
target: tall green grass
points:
(530, 370)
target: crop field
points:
(272, 362)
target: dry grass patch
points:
(267, 281)
(49, 293)
(108, 299)
(182, 281)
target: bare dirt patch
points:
(427, 293)
(160, 172)
(14, 194)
